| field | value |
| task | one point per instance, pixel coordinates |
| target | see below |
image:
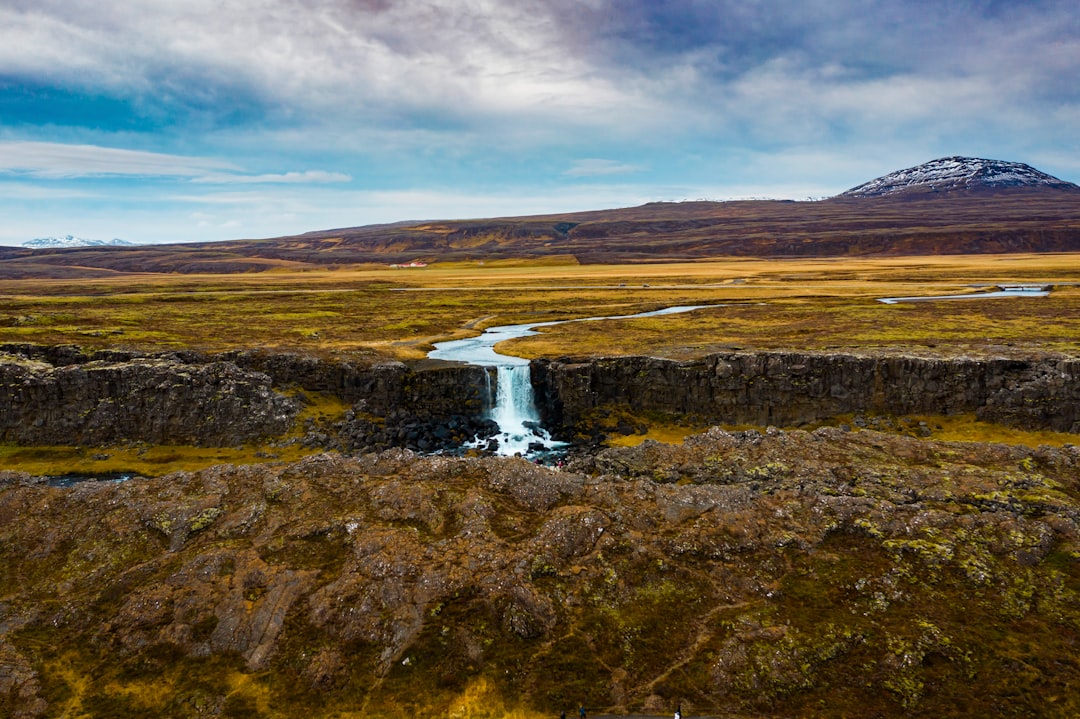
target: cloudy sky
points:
(170, 120)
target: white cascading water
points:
(515, 411)
(515, 408)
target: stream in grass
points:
(70, 480)
(1019, 291)
(514, 408)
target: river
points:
(1007, 292)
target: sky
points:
(195, 120)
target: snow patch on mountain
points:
(43, 243)
(950, 174)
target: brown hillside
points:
(913, 223)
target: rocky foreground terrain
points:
(753, 574)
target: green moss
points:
(569, 674)
(933, 553)
(90, 680)
(204, 519)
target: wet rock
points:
(401, 428)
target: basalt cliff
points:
(793, 388)
(59, 395)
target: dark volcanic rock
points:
(426, 406)
(790, 388)
(158, 400)
(61, 395)
(357, 433)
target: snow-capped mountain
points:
(71, 241)
(951, 174)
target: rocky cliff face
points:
(424, 406)
(60, 395)
(786, 388)
(158, 400)
(751, 574)
(427, 407)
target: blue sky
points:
(161, 120)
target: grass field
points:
(379, 312)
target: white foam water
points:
(516, 413)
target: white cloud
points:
(55, 160)
(287, 178)
(25, 191)
(514, 67)
(595, 167)
(457, 58)
(48, 160)
(756, 99)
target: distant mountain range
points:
(954, 205)
(43, 243)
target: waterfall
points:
(515, 410)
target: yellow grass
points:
(666, 433)
(945, 428)
(145, 460)
(249, 687)
(481, 700)
(965, 428)
(67, 670)
(376, 312)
